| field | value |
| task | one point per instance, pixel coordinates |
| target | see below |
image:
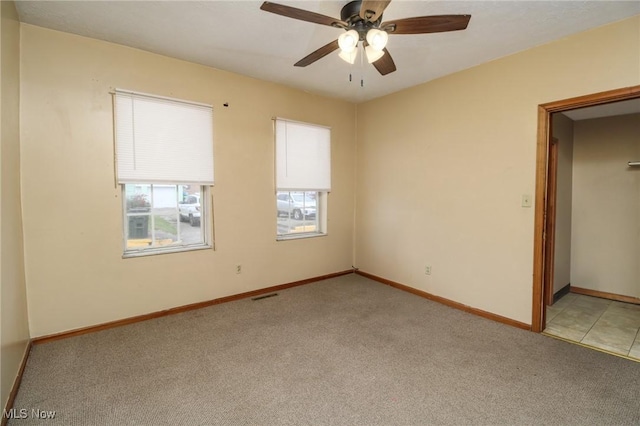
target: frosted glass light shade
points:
(349, 57)
(373, 54)
(377, 38)
(348, 41)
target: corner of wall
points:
(14, 324)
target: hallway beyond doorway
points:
(600, 323)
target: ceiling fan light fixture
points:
(362, 21)
(348, 41)
(349, 57)
(377, 39)
(373, 54)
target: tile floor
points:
(601, 323)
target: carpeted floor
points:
(341, 351)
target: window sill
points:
(300, 236)
(154, 252)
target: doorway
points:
(544, 198)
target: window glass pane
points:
(190, 214)
(138, 198)
(165, 217)
(162, 216)
(138, 210)
(297, 212)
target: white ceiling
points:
(239, 37)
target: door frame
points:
(538, 317)
(550, 219)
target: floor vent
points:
(266, 296)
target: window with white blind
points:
(303, 178)
(164, 152)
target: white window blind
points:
(163, 140)
(303, 156)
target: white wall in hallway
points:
(605, 242)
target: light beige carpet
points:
(346, 351)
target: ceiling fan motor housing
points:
(350, 14)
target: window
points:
(162, 217)
(303, 178)
(164, 153)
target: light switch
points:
(526, 200)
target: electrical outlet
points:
(238, 269)
(427, 270)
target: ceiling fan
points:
(362, 21)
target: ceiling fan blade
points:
(317, 54)
(302, 15)
(426, 24)
(371, 10)
(385, 64)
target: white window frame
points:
(182, 139)
(205, 228)
(320, 220)
(297, 179)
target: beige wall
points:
(606, 209)
(442, 168)
(562, 127)
(72, 211)
(13, 318)
(430, 191)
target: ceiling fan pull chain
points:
(361, 64)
